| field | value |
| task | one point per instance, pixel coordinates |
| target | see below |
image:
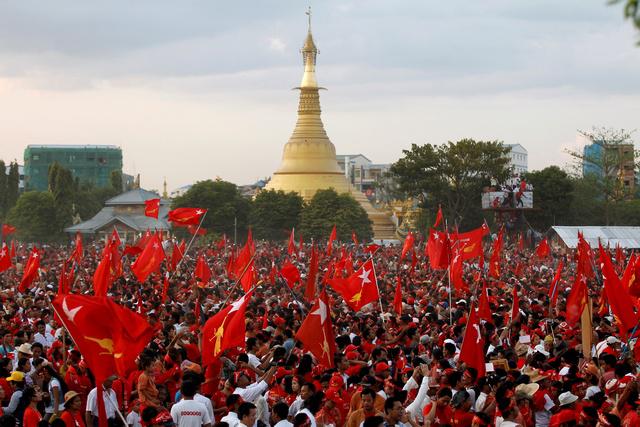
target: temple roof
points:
(134, 197)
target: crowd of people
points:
(390, 368)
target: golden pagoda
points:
(309, 158)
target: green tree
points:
(328, 208)
(452, 175)
(116, 181)
(274, 213)
(587, 206)
(63, 188)
(552, 197)
(13, 185)
(3, 189)
(88, 200)
(32, 216)
(223, 202)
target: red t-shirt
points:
(31, 417)
(462, 418)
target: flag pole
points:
(235, 286)
(189, 245)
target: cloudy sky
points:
(192, 89)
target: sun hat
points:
(528, 389)
(68, 396)
(567, 398)
(25, 349)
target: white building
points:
(518, 159)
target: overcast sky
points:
(192, 90)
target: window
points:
(35, 157)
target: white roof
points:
(626, 237)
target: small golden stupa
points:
(309, 158)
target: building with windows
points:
(89, 163)
(613, 160)
(361, 172)
(518, 159)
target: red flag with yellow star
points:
(224, 330)
(316, 332)
(151, 208)
(359, 289)
(186, 216)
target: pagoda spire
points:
(309, 52)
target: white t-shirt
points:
(109, 397)
(133, 419)
(55, 383)
(189, 413)
(207, 404)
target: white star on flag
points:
(199, 212)
(236, 305)
(365, 276)
(71, 314)
(321, 311)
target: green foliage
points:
(116, 181)
(13, 185)
(452, 175)
(32, 215)
(223, 202)
(274, 213)
(631, 11)
(89, 200)
(327, 208)
(63, 187)
(553, 195)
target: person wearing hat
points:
(16, 380)
(72, 414)
(23, 352)
(567, 413)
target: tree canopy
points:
(452, 175)
(275, 213)
(553, 195)
(32, 216)
(223, 202)
(328, 208)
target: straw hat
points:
(528, 389)
(68, 396)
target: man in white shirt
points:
(42, 336)
(279, 414)
(232, 402)
(250, 392)
(188, 412)
(197, 380)
(109, 397)
(247, 413)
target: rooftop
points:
(626, 237)
(71, 146)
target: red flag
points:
(515, 308)
(149, 260)
(105, 273)
(438, 249)
(290, 273)
(372, 248)
(617, 295)
(195, 230)
(78, 251)
(176, 257)
(397, 298)
(553, 288)
(186, 216)
(30, 271)
(354, 238)
(115, 237)
(332, 238)
(5, 258)
(224, 330)
(222, 243)
(484, 309)
(66, 279)
(152, 208)
(438, 217)
(8, 229)
(577, 299)
(455, 273)
(620, 258)
(316, 332)
(265, 319)
(543, 250)
(312, 275)
(110, 337)
(203, 272)
(472, 350)
(408, 245)
(520, 242)
(584, 257)
(291, 249)
(494, 261)
(165, 287)
(300, 244)
(360, 289)
(12, 252)
(469, 244)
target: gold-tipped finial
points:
(165, 195)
